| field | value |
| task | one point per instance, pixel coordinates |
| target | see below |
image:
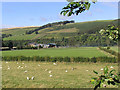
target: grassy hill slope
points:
(58, 31)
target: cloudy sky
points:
(19, 14)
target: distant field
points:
(14, 76)
(115, 49)
(54, 52)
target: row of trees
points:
(81, 40)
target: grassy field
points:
(54, 52)
(14, 76)
(115, 48)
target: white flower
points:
(22, 63)
(21, 67)
(50, 75)
(111, 67)
(38, 64)
(8, 68)
(101, 68)
(50, 71)
(87, 70)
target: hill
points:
(66, 30)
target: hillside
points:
(56, 31)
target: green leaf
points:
(88, 6)
(95, 72)
(94, 78)
(106, 70)
(64, 13)
(112, 70)
(70, 13)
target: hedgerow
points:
(60, 59)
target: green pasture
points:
(63, 76)
(56, 52)
(115, 48)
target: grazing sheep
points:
(54, 64)
(28, 78)
(26, 71)
(50, 71)
(50, 75)
(74, 68)
(38, 65)
(33, 78)
(66, 71)
(46, 69)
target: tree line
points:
(49, 25)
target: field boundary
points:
(106, 53)
(60, 59)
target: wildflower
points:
(101, 68)
(111, 67)
(104, 85)
(87, 70)
(38, 64)
(92, 80)
(66, 71)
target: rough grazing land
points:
(14, 74)
(54, 52)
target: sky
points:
(20, 14)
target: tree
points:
(76, 7)
(10, 44)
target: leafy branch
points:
(76, 7)
(107, 78)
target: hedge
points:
(60, 59)
(109, 51)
